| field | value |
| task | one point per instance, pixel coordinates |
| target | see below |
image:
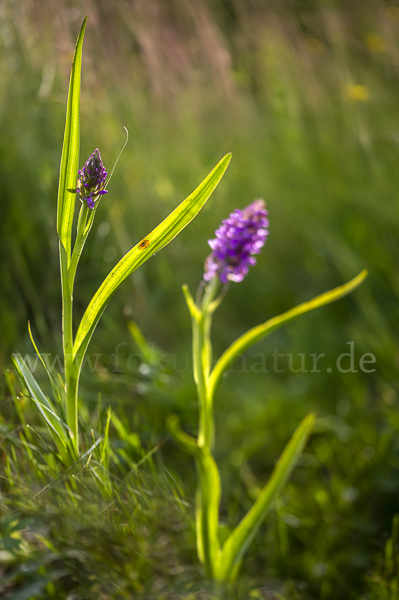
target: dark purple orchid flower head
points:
(91, 179)
(238, 238)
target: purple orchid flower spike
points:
(92, 179)
(239, 237)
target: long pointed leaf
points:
(237, 543)
(152, 243)
(260, 331)
(70, 152)
(57, 427)
(51, 379)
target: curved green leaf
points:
(188, 442)
(59, 430)
(237, 543)
(70, 152)
(260, 331)
(154, 241)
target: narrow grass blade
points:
(46, 487)
(237, 543)
(58, 391)
(147, 455)
(10, 380)
(260, 331)
(70, 152)
(105, 447)
(155, 241)
(148, 352)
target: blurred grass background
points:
(305, 96)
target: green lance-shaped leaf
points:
(70, 152)
(260, 331)
(58, 429)
(152, 243)
(233, 550)
(56, 390)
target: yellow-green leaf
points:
(59, 430)
(260, 331)
(149, 245)
(70, 152)
(237, 543)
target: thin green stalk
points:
(67, 339)
(85, 222)
(202, 358)
(72, 370)
(208, 487)
(200, 380)
(79, 243)
(72, 367)
(72, 385)
(207, 311)
(207, 497)
(207, 510)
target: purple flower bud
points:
(91, 179)
(239, 237)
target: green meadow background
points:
(305, 95)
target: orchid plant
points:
(240, 237)
(88, 184)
